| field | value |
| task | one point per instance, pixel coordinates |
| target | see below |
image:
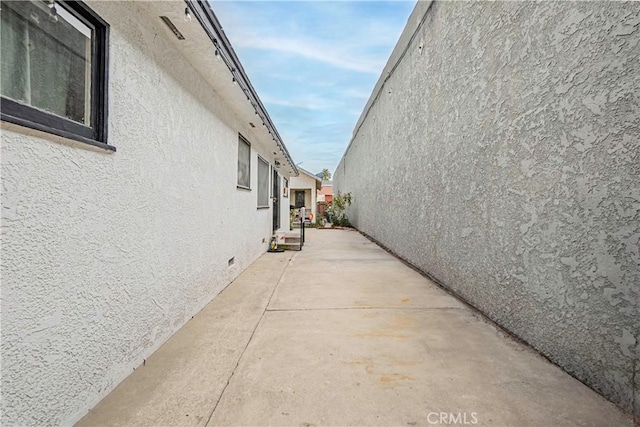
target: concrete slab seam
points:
(492, 322)
(363, 308)
(235, 368)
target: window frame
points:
(268, 166)
(241, 140)
(96, 133)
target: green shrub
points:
(337, 208)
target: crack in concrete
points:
(235, 368)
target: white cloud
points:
(308, 104)
(317, 59)
(323, 52)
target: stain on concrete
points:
(394, 378)
(380, 335)
(384, 378)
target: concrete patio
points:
(343, 333)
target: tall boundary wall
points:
(500, 153)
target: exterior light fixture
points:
(172, 27)
(217, 51)
(53, 13)
(187, 14)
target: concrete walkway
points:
(343, 333)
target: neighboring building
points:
(304, 192)
(325, 194)
(136, 184)
(504, 139)
(325, 197)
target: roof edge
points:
(203, 12)
(318, 180)
(414, 23)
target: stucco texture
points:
(500, 153)
(105, 255)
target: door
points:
(299, 199)
(276, 200)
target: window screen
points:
(54, 69)
(263, 183)
(46, 59)
(244, 163)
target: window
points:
(244, 163)
(54, 69)
(263, 183)
(285, 187)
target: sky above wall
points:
(314, 65)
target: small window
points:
(244, 163)
(54, 69)
(285, 187)
(263, 183)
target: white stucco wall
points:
(308, 200)
(105, 255)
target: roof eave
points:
(206, 17)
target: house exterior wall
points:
(308, 184)
(325, 194)
(105, 255)
(308, 199)
(504, 141)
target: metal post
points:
(303, 214)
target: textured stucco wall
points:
(500, 153)
(105, 255)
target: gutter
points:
(203, 12)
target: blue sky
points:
(314, 65)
